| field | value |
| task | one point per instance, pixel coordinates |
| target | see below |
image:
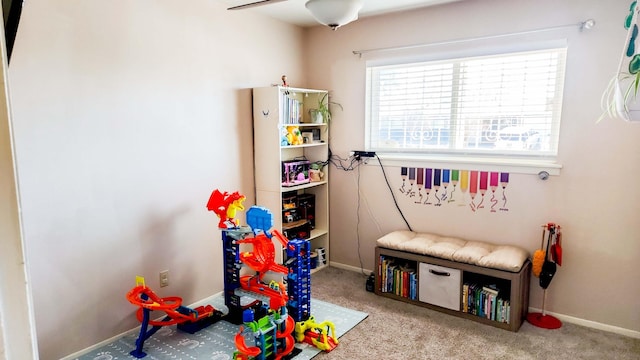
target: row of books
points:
(485, 301)
(291, 110)
(398, 277)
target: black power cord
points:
(358, 224)
(392, 195)
(344, 164)
(350, 164)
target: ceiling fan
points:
(333, 13)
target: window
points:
(505, 105)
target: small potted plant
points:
(322, 114)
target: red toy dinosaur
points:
(225, 206)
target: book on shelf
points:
(413, 293)
(485, 301)
(398, 277)
(465, 294)
(291, 110)
(491, 289)
(494, 300)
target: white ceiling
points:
(294, 12)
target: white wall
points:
(16, 331)
(126, 116)
(595, 199)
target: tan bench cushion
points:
(503, 257)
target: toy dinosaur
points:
(225, 206)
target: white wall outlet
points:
(164, 278)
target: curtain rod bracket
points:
(587, 24)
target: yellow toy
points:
(321, 335)
(294, 137)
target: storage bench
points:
(476, 280)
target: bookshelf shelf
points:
(303, 186)
(449, 297)
(302, 146)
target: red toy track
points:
(167, 304)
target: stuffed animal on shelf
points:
(294, 136)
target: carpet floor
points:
(397, 330)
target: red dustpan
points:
(556, 250)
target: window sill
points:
(519, 166)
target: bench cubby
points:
(439, 284)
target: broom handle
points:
(544, 299)
(551, 232)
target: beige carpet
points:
(396, 330)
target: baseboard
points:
(349, 267)
(111, 339)
(591, 324)
(563, 318)
(98, 345)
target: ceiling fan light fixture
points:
(334, 13)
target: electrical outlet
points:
(164, 278)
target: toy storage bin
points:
(439, 285)
(296, 230)
(307, 208)
(295, 172)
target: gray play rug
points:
(215, 342)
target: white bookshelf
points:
(271, 116)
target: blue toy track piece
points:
(260, 219)
(299, 279)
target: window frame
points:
(520, 161)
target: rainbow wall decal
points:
(493, 185)
(420, 183)
(403, 173)
(504, 180)
(432, 187)
(455, 178)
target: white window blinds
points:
(506, 104)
